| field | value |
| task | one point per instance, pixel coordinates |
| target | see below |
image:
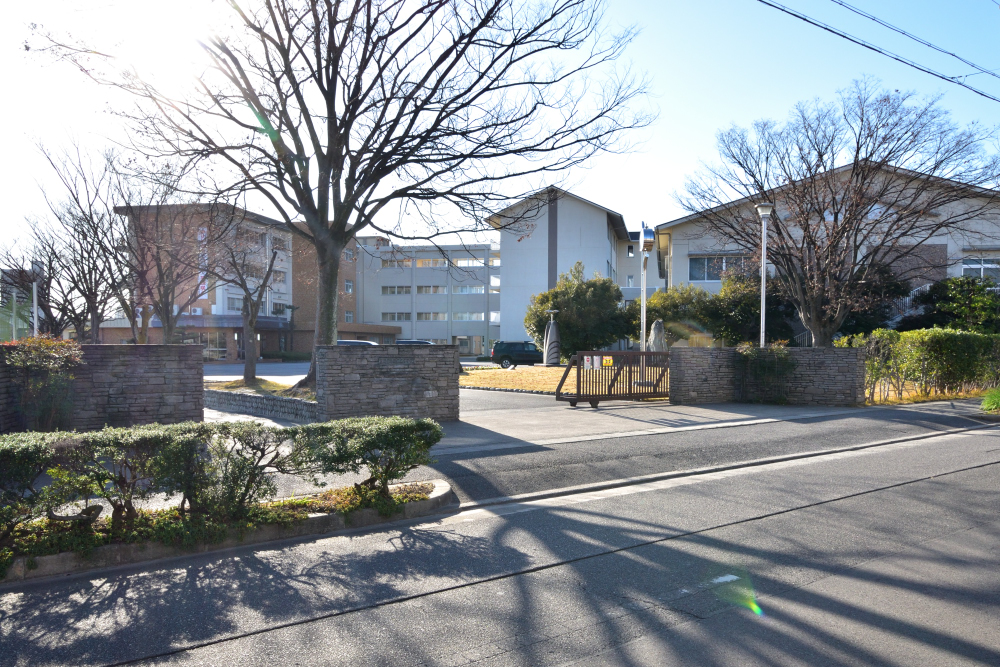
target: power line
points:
(919, 40)
(877, 49)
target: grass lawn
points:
(532, 378)
(264, 388)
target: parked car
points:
(355, 342)
(509, 353)
(413, 342)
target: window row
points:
(712, 268)
(982, 267)
(388, 290)
(441, 317)
(442, 263)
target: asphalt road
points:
(887, 555)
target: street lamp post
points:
(647, 245)
(764, 211)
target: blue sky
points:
(712, 63)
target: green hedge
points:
(221, 471)
(933, 361)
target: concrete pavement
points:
(882, 556)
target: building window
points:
(349, 255)
(495, 259)
(630, 281)
(469, 261)
(349, 286)
(394, 289)
(278, 277)
(429, 317)
(278, 308)
(468, 289)
(279, 243)
(982, 267)
(432, 289)
(348, 316)
(439, 341)
(494, 284)
(468, 317)
(494, 317)
(388, 339)
(631, 251)
(431, 263)
(712, 268)
(234, 303)
(397, 263)
(396, 317)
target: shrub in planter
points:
(181, 465)
(42, 375)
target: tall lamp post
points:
(647, 246)
(764, 211)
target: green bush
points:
(24, 458)
(43, 371)
(991, 401)
(388, 447)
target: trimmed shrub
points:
(24, 458)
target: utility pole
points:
(647, 246)
(764, 211)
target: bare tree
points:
(348, 115)
(35, 264)
(858, 185)
(242, 261)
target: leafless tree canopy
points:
(345, 115)
(861, 183)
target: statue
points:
(551, 346)
(657, 341)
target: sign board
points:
(608, 361)
(588, 363)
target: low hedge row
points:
(932, 361)
(223, 472)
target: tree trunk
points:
(95, 326)
(146, 316)
(327, 298)
(249, 349)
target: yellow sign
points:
(608, 361)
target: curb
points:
(692, 472)
(114, 555)
(514, 391)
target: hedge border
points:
(116, 555)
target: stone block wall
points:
(702, 375)
(271, 407)
(9, 418)
(822, 376)
(125, 385)
(404, 380)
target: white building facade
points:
(442, 294)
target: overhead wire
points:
(877, 49)
(919, 40)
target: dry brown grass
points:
(530, 378)
(264, 388)
(912, 395)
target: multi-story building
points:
(215, 319)
(443, 294)
(544, 235)
(350, 326)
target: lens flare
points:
(732, 584)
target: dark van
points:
(509, 354)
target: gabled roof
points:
(973, 189)
(203, 208)
(615, 219)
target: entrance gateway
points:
(615, 376)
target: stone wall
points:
(125, 385)
(271, 407)
(9, 418)
(404, 380)
(702, 375)
(822, 376)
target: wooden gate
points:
(615, 376)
